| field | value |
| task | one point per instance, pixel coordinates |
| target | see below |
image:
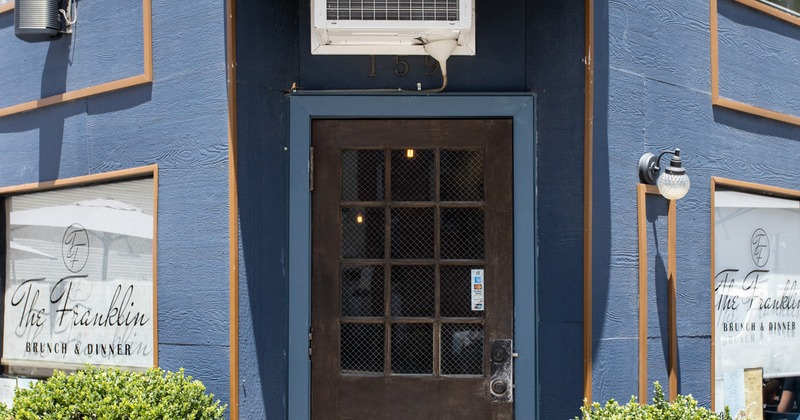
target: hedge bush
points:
(115, 394)
(683, 408)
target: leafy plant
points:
(683, 408)
(115, 394)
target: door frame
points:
(304, 107)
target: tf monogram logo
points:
(75, 248)
(759, 247)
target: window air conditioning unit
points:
(390, 27)
(37, 20)
(44, 20)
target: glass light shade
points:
(673, 186)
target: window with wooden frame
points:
(755, 285)
(79, 274)
(734, 85)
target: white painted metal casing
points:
(352, 28)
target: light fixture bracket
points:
(648, 168)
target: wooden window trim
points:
(7, 7)
(718, 183)
(772, 10)
(93, 179)
(716, 98)
(144, 78)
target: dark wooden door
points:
(412, 276)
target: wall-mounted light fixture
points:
(673, 184)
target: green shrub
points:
(683, 408)
(115, 394)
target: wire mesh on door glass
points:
(423, 319)
(362, 232)
(412, 291)
(412, 233)
(461, 175)
(462, 349)
(362, 348)
(444, 10)
(456, 291)
(412, 348)
(462, 233)
(362, 290)
(362, 175)
(413, 175)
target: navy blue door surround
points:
(520, 109)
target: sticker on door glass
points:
(477, 284)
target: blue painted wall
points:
(653, 93)
(554, 66)
(178, 122)
(267, 66)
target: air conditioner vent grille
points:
(38, 14)
(400, 10)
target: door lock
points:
(499, 355)
(501, 384)
(499, 388)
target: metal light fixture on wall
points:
(673, 184)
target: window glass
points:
(79, 278)
(756, 288)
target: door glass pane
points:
(362, 348)
(462, 175)
(362, 175)
(462, 233)
(412, 233)
(456, 291)
(413, 177)
(362, 290)
(362, 232)
(412, 348)
(412, 291)
(462, 349)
